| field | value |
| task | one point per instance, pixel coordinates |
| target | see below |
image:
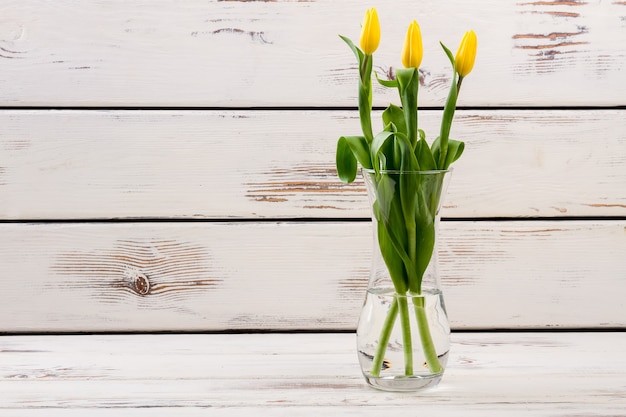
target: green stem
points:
(458, 85)
(432, 360)
(408, 87)
(365, 97)
(446, 122)
(383, 340)
(415, 282)
(407, 342)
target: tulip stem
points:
(365, 97)
(428, 347)
(407, 341)
(458, 85)
(383, 340)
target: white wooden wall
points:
(170, 165)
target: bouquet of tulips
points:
(404, 207)
(400, 123)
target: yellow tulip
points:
(412, 51)
(466, 54)
(370, 32)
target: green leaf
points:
(428, 196)
(380, 140)
(385, 192)
(424, 155)
(345, 161)
(443, 160)
(436, 148)
(393, 260)
(408, 160)
(357, 52)
(425, 244)
(448, 53)
(360, 149)
(391, 230)
(408, 87)
(446, 122)
(393, 114)
(455, 150)
(408, 200)
(365, 88)
(405, 77)
(387, 83)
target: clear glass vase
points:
(403, 335)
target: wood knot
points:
(141, 284)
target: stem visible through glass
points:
(385, 333)
(432, 360)
(399, 305)
(407, 341)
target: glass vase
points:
(403, 334)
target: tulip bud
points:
(412, 51)
(370, 32)
(466, 54)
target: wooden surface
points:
(169, 166)
(287, 53)
(101, 164)
(299, 275)
(216, 121)
(512, 374)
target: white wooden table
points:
(168, 166)
(307, 374)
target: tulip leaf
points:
(408, 86)
(448, 53)
(365, 88)
(405, 76)
(424, 155)
(390, 218)
(455, 150)
(436, 149)
(425, 239)
(357, 52)
(394, 114)
(346, 161)
(386, 83)
(408, 159)
(446, 122)
(385, 191)
(408, 201)
(377, 146)
(360, 149)
(393, 260)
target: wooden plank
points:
(513, 374)
(196, 276)
(286, 53)
(252, 164)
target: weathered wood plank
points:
(252, 164)
(219, 276)
(517, 374)
(285, 53)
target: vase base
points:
(404, 384)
